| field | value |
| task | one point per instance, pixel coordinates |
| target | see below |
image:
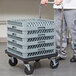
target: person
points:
(69, 20)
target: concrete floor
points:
(65, 67)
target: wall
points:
(3, 32)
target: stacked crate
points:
(31, 37)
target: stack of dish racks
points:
(31, 40)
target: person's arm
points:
(58, 2)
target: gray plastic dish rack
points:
(31, 37)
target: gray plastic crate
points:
(31, 37)
(24, 49)
(32, 53)
(32, 41)
(31, 47)
(29, 34)
(32, 24)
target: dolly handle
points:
(50, 2)
(54, 3)
(62, 15)
(47, 3)
(41, 7)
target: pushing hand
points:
(44, 2)
(58, 2)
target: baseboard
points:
(3, 39)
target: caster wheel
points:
(6, 50)
(37, 65)
(37, 60)
(54, 63)
(29, 71)
(67, 40)
(9, 55)
(14, 62)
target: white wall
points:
(3, 31)
(18, 8)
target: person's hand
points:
(58, 2)
(44, 2)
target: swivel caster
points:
(37, 60)
(37, 64)
(54, 63)
(67, 40)
(28, 69)
(9, 55)
(13, 61)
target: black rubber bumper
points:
(32, 58)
